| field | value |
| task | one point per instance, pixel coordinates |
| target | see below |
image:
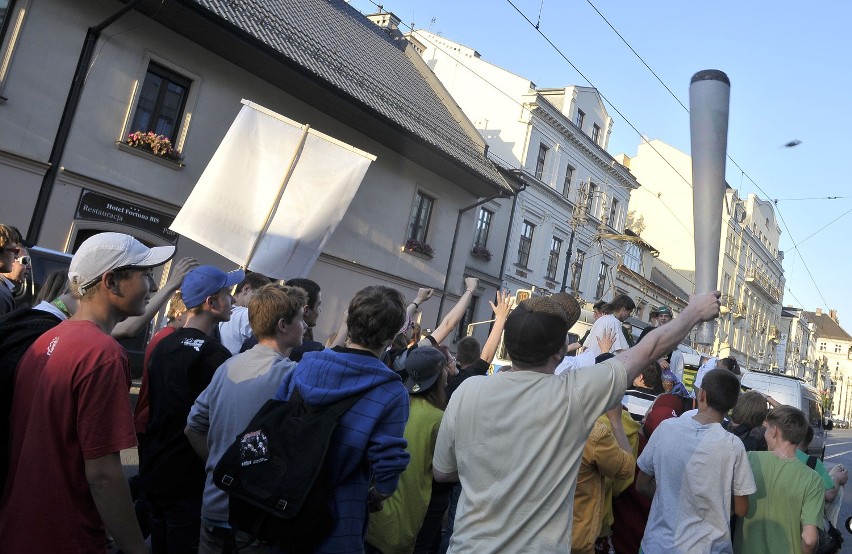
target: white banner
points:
(272, 194)
(781, 353)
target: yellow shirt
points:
(602, 457)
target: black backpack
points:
(830, 539)
(276, 476)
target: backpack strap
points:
(338, 408)
(812, 460)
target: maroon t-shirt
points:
(71, 404)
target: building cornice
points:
(546, 111)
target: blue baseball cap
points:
(207, 280)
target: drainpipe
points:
(522, 188)
(67, 119)
(453, 248)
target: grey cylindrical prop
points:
(709, 97)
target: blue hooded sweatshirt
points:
(372, 431)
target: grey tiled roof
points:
(339, 46)
(827, 328)
(659, 278)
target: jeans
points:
(451, 519)
(221, 540)
(175, 524)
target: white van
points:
(792, 391)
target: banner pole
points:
(274, 207)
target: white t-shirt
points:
(697, 468)
(516, 439)
(234, 332)
(585, 359)
(606, 323)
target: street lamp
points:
(578, 217)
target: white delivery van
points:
(792, 391)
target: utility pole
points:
(848, 383)
(578, 218)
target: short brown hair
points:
(376, 314)
(722, 388)
(468, 351)
(791, 423)
(750, 409)
(9, 235)
(273, 303)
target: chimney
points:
(818, 312)
(833, 315)
(385, 20)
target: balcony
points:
(763, 284)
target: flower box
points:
(158, 145)
(417, 247)
(481, 253)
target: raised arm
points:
(454, 316)
(501, 311)
(413, 307)
(342, 332)
(132, 325)
(702, 307)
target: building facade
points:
(565, 227)
(180, 70)
(833, 356)
(751, 275)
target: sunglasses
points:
(23, 260)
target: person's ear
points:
(109, 282)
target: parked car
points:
(42, 262)
(792, 391)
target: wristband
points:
(416, 305)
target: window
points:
(161, 102)
(613, 214)
(591, 201)
(421, 213)
(601, 287)
(525, 244)
(578, 121)
(596, 133)
(569, 176)
(6, 7)
(822, 346)
(837, 349)
(483, 225)
(633, 257)
(539, 162)
(577, 270)
(553, 258)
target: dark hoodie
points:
(19, 329)
(368, 444)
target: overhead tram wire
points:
(643, 188)
(742, 171)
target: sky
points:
(788, 82)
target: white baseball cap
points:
(110, 251)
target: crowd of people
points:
(605, 450)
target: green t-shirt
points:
(827, 481)
(394, 529)
(789, 496)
